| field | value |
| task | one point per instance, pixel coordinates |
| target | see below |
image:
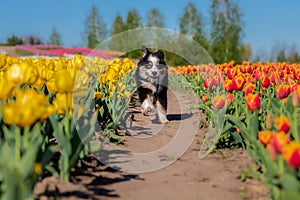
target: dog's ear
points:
(160, 55)
(145, 51)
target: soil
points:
(179, 177)
(9, 50)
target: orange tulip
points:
(265, 137)
(205, 98)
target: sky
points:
(265, 22)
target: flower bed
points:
(256, 105)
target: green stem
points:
(18, 143)
(280, 165)
(295, 124)
(26, 132)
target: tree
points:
(226, 29)
(247, 52)
(55, 37)
(154, 18)
(191, 24)
(95, 29)
(276, 49)
(14, 40)
(118, 25)
(281, 56)
(116, 43)
(133, 20)
(292, 54)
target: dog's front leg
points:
(161, 106)
(147, 106)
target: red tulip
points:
(218, 101)
(282, 91)
(231, 72)
(228, 85)
(249, 88)
(238, 82)
(253, 101)
(264, 80)
(229, 98)
(296, 96)
(291, 154)
(278, 140)
(282, 124)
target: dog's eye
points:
(148, 66)
(160, 66)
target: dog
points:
(151, 77)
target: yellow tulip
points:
(29, 115)
(51, 86)
(6, 88)
(64, 81)
(77, 61)
(21, 73)
(28, 107)
(110, 74)
(31, 75)
(3, 58)
(27, 97)
(38, 84)
(45, 73)
(10, 113)
(63, 102)
(98, 95)
(126, 95)
(48, 111)
(15, 73)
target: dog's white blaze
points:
(154, 68)
(153, 59)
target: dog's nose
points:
(154, 73)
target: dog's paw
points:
(163, 120)
(148, 111)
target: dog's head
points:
(152, 66)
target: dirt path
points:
(172, 176)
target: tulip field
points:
(255, 106)
(49, 107)
(41, 100)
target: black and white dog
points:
(151, 77)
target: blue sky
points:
(265, 21)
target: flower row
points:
(55, 50)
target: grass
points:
(23, 53)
